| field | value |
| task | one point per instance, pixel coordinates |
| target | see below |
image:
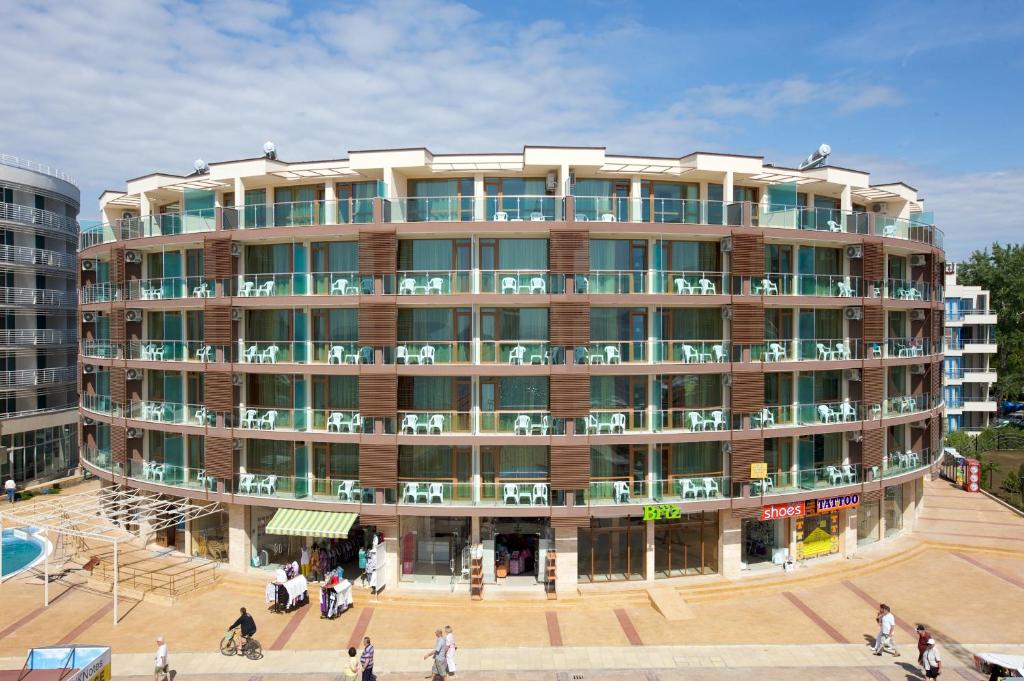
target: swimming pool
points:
(22, 549)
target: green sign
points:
(662, 512)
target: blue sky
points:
(930, 93)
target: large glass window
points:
(268, 259)
(444, 200)
(513, 255)
(670, 201)
(434, 549)
(867, 522)
(892, 508)
(687, 546)
(690, 256)
(612, 549)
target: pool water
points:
(18, 552)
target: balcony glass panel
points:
(618, 474)
(829, 476)
(905, 347)
(524, 208)
(156, 350)
(435, 475)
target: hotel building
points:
(38, 328)
(549, 368)
(970, 350)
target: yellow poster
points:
(817, 535)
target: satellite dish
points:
(817, 159)
(200, 165)
(269, 150)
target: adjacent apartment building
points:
(970, 349)
(38, 325)
(542, 368)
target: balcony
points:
(345, 490)
(902, 289)
(14, 212)
(906, 404)
(173, 351)
(101, 404)
(979, 375)
(617, 282)
(613, 421)
(433, 352)
(165, 224)
(520, 352)
(901, 348)
(802, 350)
(828, 476)
(820, 285)
(686, 487)
(690, 283)
(509, 208)
(612, 352)
(102, 349)
(156, 411)
(517, 422)
(100, 458)
(898, 463)
(692, 351)
(516, 282)
(171, 474)
(434, 422)
(167, 288)
(425, 283)
(98, 293)
(687, 420)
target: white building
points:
(970, 339)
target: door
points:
(638, 335)
(462, 465)
(489, 472)
(621, 193)
(638, 265)
(462, 332)
(462, 390)
(301, 488)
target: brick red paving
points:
(815, 617)
(1019, 583)
(628, 628)
(554, 632)
(360, 630)
(86, 623)
(289, 629)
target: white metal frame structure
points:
(109, 514)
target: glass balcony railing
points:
(613, 421)
(692, 351)
(515, 282)
(101, 404)
(273, 418)
(612, 352)
(690, 487)
(433, 352)
(100, 458)
(169, 288)
(616, 491)
(906, 404)
(280, 284)
(843, 411)
(779, 482)
(102, 349)
(171, 474)
(902, 289)
(773, 416)
(519, 352)
(170, 412)
(897, 462)
(339, 284)
(656, 210)
(525, 491)
(434, 422)
(339, 352)
(620, 282)
(517, 422)
(821, 285)
(425, 283)
(829, 476)
(437, 209)
(690, 283)
(173, 351)
(272, 352)
(902, 347)
(98, 293)
(514, 208)
(336, 421)
(435, 492)
(691, 420)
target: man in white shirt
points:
(930, 661)
(11, 488)
(160, 670)
(886, 629)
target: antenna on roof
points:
(269, 150)
(817, 159)
(200, 166)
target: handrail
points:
(38, 216)
(38, 256)
(21, 377)
(26, 164)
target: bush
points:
(960, 441)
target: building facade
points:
(38, 328)
(546, 368)
(970, 350)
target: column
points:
(566, 567)
(727, 188)
(635, 200)
(479, 198)
(730, 544)
(846, 199)
(239, 542)
(188, 536)
(329, 214)
(392, 562)
(474, 530)
(649, 552)
(849, 529)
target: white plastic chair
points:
(249, 419)
(718, 353)
(540, 492)
(612, 354)
(717, 420)
(843, 351)
(826, 415)
(536, 216)
(269, 356)
(355, 424)
(435, 285)
(205, 353)
(849, 473)
(268, 485)
(201, 416)
(248, 289)
(521, 426)
(427, 354)
(510, 491)
(593, 425)
(769, 288)
(767, 418)
(835, 477)
(689, 488)
(500, 216)
(845, 290)
(435, 490)
(690, 355)
(516, 354)
(711, 488)
(435, 424)
(684, 287)
(338, 287)
(246, 483)
(608, 217)
(847, 412)
(201, 291)
(621, 492)
(252, 354)
(412, 491)
(347, 490)
(824, 352)
(775, 353)
(336, 355)
(889, 230)
(407, 286)
(707, 287)
(697, 422)
(409, 424)
(334, 421)
(618, 423)
(581, 217)
(834, 226)
(509, 285)
(266, 289)
(538, 285)
(541, 427)
(269, 420)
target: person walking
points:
(160, 670)
(449, 650)
(886, 628)
(922, 642)
(351, 665)
(931, 662)
(366, 660)
(11, 488)
(439, 669)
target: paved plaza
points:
(961, 571)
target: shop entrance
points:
(339, 554)
(435, 549)
(612, 549)
(515, 549)
(764, 542)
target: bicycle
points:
(229, 646)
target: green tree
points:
(960, 441)
(987, 440)
(1001, 271)
(1014, 484)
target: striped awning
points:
(301, 523)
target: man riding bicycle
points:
(248, 627)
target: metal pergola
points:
(111, 515)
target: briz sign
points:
(836, 503)
(662, 512)
(780, 511)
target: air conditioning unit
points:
(133, 375)
(727, 312)
(551, 181)
(852, 374)
(917, 260)
(88, 369)
(855, 251)
(134, 433)
(877, 207)
(726, 245)
(854, 313)
(129, 215)
(236, 249)
(917, 369)
(236, 443)
(88, 421)
(236, 314)
(854, 435)
(88, 265)
(88, 317)
(133, 257)
(236, 379)
(727, 379)
(726, 448)
(917, 315)
(133, 315)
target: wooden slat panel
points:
(935, 384)
(568, 522)
(874, 261)
(747, 392)
(748, 512)
(119, 443)
(117, 325)
(570, 467)
(378, 465)
(747, 256)
(219, 391)
(570, 252)
(569, 324)
(221, 457)
(747, 323)
(385, 524)
(117, 385)
(870, 495)
(935, 431)
(117, 268)
(872, 385)
(744, 453)
(872, 447)
(570, 395)
(217, 260)
(217, 324)
(378, 323)
(378, 394)
(874, 324)
(378, 252)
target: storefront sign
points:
(835, 503)
(780, 511)
(662, 512)
(758, 471)
(817, 536)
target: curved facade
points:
(589, 367)
(38, 329)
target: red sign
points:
(780, 511)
